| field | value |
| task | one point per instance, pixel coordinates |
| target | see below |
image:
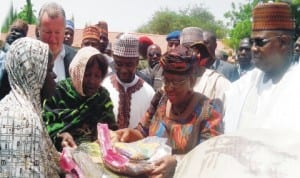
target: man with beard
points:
(153, 72)
(261, 125)
(267, 96)
(131, 95)
(244, 57)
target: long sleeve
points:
(67, 111)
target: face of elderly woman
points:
(177, 87)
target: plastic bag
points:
(134, 158)
(140, 150)
(68, 164)
(78, 164)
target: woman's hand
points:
(164, 167)
(67, 140)
(129, 135)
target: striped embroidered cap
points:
(273, 16)
(127, 45)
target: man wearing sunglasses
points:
(266, 96)
(261, 111)
(153, 72)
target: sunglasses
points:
(153, 54)
(260, 42)
(169, 83)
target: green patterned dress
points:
(67, 111)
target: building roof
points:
(157, 39)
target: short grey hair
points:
(53, 10)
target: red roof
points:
(157, 39)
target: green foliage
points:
(26, 14)
(9, 19)
(165, 21)
(242, 29)
(296, 11)
(240, 18)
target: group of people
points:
(57, 94)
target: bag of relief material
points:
(133, 158)
(78, 164)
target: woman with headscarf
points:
(178, 113)
(26, 149)
(80, 102)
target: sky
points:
(121, 15)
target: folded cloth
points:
(140, 150)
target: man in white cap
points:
(209, 82)
(268, 94)
(130, 94)
(261, 125)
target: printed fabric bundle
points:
(134, 158)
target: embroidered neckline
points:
(123, 117)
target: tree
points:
(165, 21)
(296, 11)
(240, 20)
(26, 14)
(9, 19)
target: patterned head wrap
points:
(273, 16)
(26, 65)
(78, 65)
(127, 45)
(178, 60)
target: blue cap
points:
(70, 24)
(173, 35)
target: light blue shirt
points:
(59, 66)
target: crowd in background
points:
(53, 95)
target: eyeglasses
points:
(175, 84)
(153, 54)
(260, 42)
